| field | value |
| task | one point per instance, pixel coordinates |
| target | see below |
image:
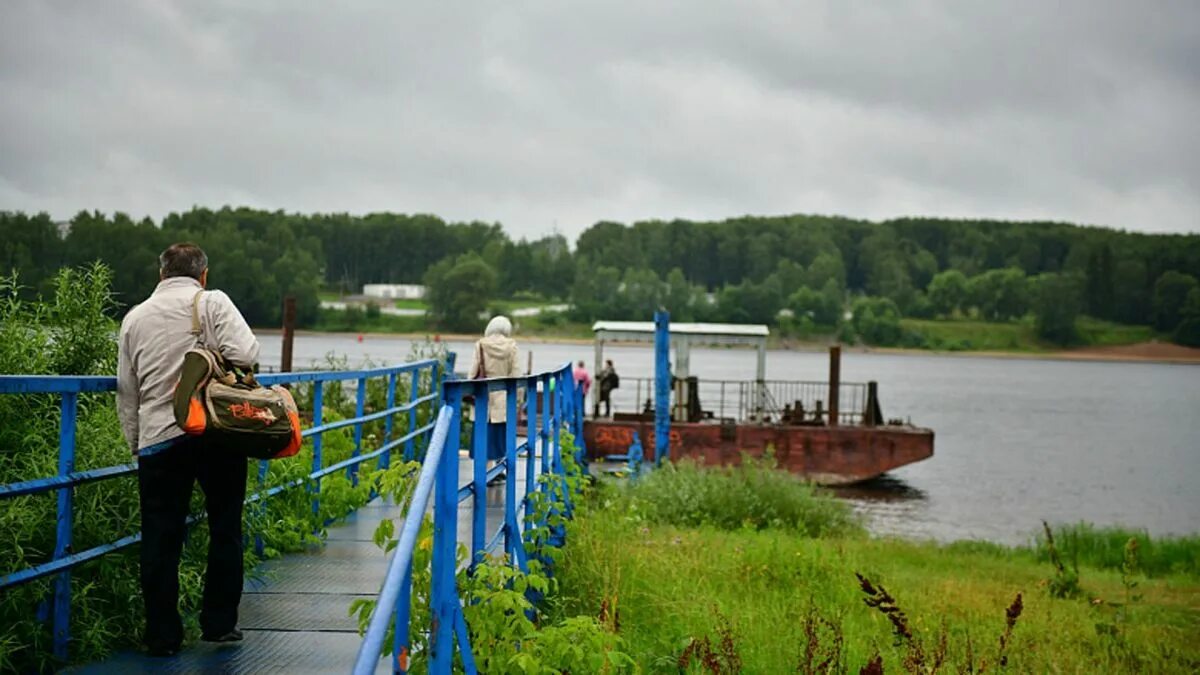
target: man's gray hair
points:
(183, 260)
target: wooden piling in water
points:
(835, 381)
(289, 333)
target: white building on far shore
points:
(394, 291)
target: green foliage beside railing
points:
(508, 632)
(69, 333)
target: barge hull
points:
(827, 455)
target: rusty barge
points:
(833, 432)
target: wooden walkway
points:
(294, 610)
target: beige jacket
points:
(500, 359)
(154, 337)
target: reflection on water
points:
(1017, 440)
(885, 488)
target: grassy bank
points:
(742, 584)
(1013, 336)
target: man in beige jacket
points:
(154, 337)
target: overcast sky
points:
(537, 114)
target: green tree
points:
(748, 302)
(790, 275)
(877, 321)
(682, 298)
(948, 292)
(1131, 292)
(1170, 292)
(823, 308)
(1058, 301)
(1188, 331)
(1000, 294)
(458, 291)
(642, 292)
(827, 266)
(30, 246)
(1100, 290)
(595, 291)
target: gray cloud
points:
(539, 113)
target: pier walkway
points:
(294, 611)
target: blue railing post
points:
(479, 451)
(662, 387)
(262, 507)
(414, 394)
(317, 462)
(360, 409)
(580, 446)
(443, 598)
(66, 518)
(531, 436)
(385, 460)
(511, 538)
(556, 422)
(546, 416)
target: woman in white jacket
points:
(496, 356)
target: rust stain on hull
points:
(826, 455)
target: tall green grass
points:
(1015, 336)
(754, 495)
(700, 576)
(1104, 548)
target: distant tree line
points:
(799, 272)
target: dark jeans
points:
(605, 398)
(165, 484)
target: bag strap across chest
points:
(196, 328)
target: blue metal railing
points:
(69, 389)
(561, 407)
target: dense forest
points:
(800, 272)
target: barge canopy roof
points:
(644, 330)
(683, 337)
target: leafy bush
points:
(752, 495)
(877, 321)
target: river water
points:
(1017, 440)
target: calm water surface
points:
(1017, 440)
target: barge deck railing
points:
(735, 399)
